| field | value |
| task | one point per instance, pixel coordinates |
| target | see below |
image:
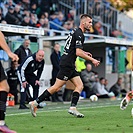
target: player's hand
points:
(13, 56)
(24, 84)
(95, 62)
(89, 54)
(37, 82)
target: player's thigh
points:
(4, 86)
(77, 83)
(70, 85)
(57, 86)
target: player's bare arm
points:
(81, 53)
(5, 47)
(88, 53)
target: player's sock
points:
(3, 99)
(44, 95)
(129, 95)
(75, 98)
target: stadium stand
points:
(64, 15)
(52, 22)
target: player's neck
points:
(81, 27)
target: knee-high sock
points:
(75, 98)
(44, 95)
(3, 99)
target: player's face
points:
(88, 24)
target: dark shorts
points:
(67, 73)
(2, 73)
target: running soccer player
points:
(72, 49)
(4, 88)
(129, 96)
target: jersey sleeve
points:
(79, 40)
(24, 66)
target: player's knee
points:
(80, 87)
(54, 89)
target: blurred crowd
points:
(35, 13)
(47, 14)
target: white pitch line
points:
(40, 111)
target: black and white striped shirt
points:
(29, 66)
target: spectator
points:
(101, 91)
(12, 79)
(4, 8)
(26, 72)
(43, 23)
(18, 13)
(88, 78)
(26, 21)
(65, 25)
(34, 9)
(98, 30)
(44, 15)
(55, 59)
(71, 15)
(10, 17)
(23, 51)
(117, 89)
(11, 3)
(33, 20)
(70, 25)
(59, 20)
(26, 13)
(25, 4)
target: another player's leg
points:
(126, 100)
(55, 88)
(4, 89)
(75, 97)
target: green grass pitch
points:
(103, 116)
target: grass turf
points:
(103, 116)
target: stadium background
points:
(112, 51)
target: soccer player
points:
(129, 96)
(72, 49)
(4, 88)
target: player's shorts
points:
(2, 73)
(67, 73)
